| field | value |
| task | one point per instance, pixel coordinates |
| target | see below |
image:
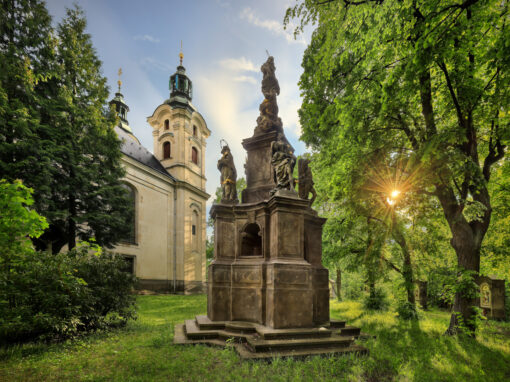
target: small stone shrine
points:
(492, 297)
(267, 287)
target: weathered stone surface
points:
(259, 175)
(492, 297)
(274, 276)
(254, 341)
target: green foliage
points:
(144, 351)
(411, 95)
(18, 222)
(377, 300)
(407, 311)
(110, 286)
(53, 296)
(26, 60)
(56, 132)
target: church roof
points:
(139, 153)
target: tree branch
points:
(442, 66)
(391, 265)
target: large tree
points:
(87, 197)
(26, 59)
(425, 81)
(56, 131)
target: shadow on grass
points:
(404, 349)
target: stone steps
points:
(255, 341)
(350, 331)
(336, 324)
(275, 334)
(245, 353)
(260, 345)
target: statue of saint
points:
(283, 162)
(270, 84)
(268, 119)
(305, 180)
(228, 176)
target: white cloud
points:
(273, 26)
(146, 37)
(238, 65)
(248, 79)
(152, 63)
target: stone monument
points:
(266, 282)
(492, 297)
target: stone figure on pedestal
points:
(305, 180)
(283, 162)
(268, 119)
(228, 176)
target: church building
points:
(166, 247)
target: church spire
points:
(181, 89)
(120, 106)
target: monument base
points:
(255, 341)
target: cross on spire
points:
(181, 55)
(119, 82)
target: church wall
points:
(154, 224)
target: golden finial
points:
(119, 82)
(181, 56)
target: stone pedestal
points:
(267, 267)
(259, 174)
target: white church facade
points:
(166, 248)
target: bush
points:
(377, 300)
(46, 296)
(112, 301)
(407, 311)
(58, 296)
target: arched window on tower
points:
(166, 150)
(194, 155)
(167, 124)
(130, 215)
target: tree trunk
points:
(468, 259)
(407, 268)
(338, 284)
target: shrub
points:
(377, 300)
(407, 311)
(59, 296)
(46, 296)
(112, 301)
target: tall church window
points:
(194, 231)
(166, 150)
(194, 130)
(194, 155)
(130, 216)
(167, 124)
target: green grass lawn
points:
(143, 351)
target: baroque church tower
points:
(166, 249)
(180, 132)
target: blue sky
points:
(224, 45)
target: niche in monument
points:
(251, 241)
